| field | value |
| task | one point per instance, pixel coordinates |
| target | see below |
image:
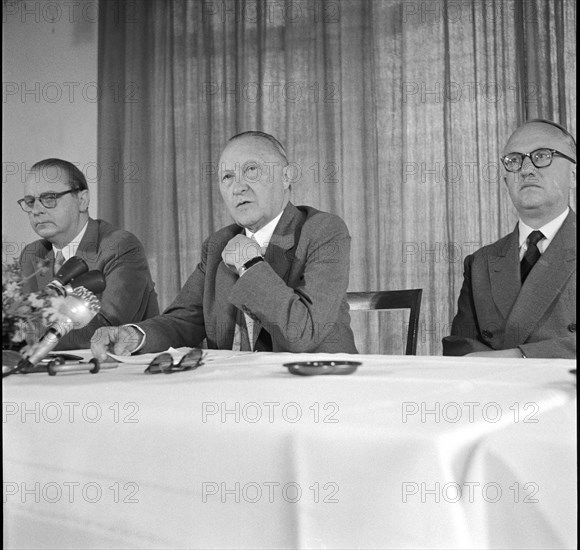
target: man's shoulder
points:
(317, 220)
(103, 231)
(497, 248)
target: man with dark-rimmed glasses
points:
(519, 294)
(56, 199)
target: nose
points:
(240, 186)
(37, 207)
(527, 167)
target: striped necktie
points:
(58, 262)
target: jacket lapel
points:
(554, 267)
(280, 253)
(504, 273)
(88, 248)
(43, 277)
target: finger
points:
(127, 341)
(100, 342)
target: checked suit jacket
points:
(296, 297)
(495, 311)
(129, 296)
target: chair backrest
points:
(392, 299)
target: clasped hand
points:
(240, 250)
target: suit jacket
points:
(495, 311)
(129, 296)
(297, 296)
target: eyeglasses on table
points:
(165, 364)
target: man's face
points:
(62, 223)
(252, 182)
(541, 193)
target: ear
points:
(84, 200)
(286, 177)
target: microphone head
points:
(72, 268)
(78, 309)
(92, 280)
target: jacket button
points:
(486, 334)
(572, 327)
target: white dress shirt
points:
(549, 231)
(70, 249)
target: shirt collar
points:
(549, 230)
(70, 249)
(264, 235)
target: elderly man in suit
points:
(275, 280)
(57, 201)
(519, 294)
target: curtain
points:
(393, 113)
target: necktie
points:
(532, 253)
(58, 261)
(241, 337)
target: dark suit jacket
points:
(495, 311)
(129, 296)
(297, 296)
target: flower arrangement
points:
(24, 315)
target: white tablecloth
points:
(408, 452)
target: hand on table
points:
(118, 340)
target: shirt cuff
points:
(143, 336)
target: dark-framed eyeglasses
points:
(48, 200)
(541, 158)
(164, 363)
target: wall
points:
(49, 99)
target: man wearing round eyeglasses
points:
(57, 203)
(519, 294)
(275, 280)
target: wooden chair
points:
(392, 299)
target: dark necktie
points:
(58, 261)
(532, 253)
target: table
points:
(408, 452)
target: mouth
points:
(243, 203)
(530, 183)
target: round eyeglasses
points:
(164, 363)
(541, 158)
(48, 200)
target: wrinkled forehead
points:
(535, 135)
(247, 149)
(47, 179)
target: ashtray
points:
(313, 368)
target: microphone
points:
(92, 280)
(72, 268)
(77, 311)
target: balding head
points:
(551, 134)
(253, 178)
(542, 193)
